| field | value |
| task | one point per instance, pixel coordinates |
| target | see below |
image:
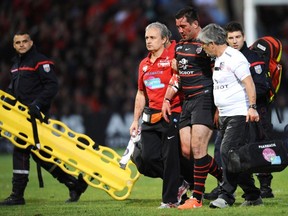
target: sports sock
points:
(201, 170)
(214, 170)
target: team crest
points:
(46, 68)
(199, 49)
(222, 65)
(145, 68)
(258, 69)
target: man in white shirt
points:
(235, 99)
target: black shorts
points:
(198, 110)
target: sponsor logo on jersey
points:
(183, 64)
(217, 87)
(185, 72)
(164, 63)
(154, 83)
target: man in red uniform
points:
(160, 140)
(196, 120)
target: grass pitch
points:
(144, 199)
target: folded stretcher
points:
(73, 152)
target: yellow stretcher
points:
(73, 152)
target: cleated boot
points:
(182, 190)
(190, 204)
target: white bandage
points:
(174, 82)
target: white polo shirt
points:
(230, 95)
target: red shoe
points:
(190, 204)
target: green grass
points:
(144, 199)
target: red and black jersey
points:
(154, 79)
(194, 68)
(33, 79)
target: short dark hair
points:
(190, 13)
(234, 26)
(23, 33)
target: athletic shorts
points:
(198, 110)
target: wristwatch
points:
(253, 106)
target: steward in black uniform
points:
(257, 69)
(34, 83)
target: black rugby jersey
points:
(194, 68)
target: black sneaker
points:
(74, 196)
(266, 193)
(213, 195)
(76, 192)
(13, 200)
(252, 202)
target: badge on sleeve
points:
(46, 68)
(145, 68)
(258, 69)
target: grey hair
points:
(164, 31)
(212, 33)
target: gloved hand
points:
(34, 111)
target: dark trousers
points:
(160, 153)
(254, 135)
(233, 130)
(21, 168)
